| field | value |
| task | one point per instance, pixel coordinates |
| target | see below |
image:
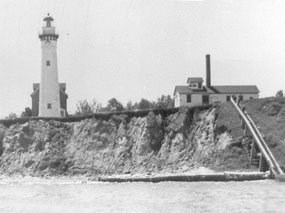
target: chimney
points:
(208, 71)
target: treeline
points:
(84, 107)
(279, 94)
(97, 115)
(26, 113)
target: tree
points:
(114, 105)
(164, 102)
(12, 115)
(279, 94)
(26, 113)
(145, 104)
(131, 106)
(84, 107)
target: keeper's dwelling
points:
(195, 93)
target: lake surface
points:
(40, 195)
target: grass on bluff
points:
(269, 116)
(228, 120)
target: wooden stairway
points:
(260, 153)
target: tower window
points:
(49, 106)
(48, 63)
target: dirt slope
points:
(269, 115)
(144, 145)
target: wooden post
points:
(262, 163)
(252, 151)
(242, 123)
(246, 131)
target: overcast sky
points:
(141, 48)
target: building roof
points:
(188, 90)
(240, 89)
(194, 79)
(244, 89)
(61, 86)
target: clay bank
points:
(156, 143)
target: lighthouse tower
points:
(49, 102)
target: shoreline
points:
(199, 175)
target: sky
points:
(133, 49)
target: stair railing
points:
(274, 161)
(273, 165)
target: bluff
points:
(155, 143)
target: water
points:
(71, 196)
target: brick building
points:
(62, 96)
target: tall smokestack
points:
(208, 71)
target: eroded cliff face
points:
(152, 144)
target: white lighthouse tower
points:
(49, 102)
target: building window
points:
(49, 106)
(48, 63)
(205, 99)
(228, 98)
(188, 98)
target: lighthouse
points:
(49, 97)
